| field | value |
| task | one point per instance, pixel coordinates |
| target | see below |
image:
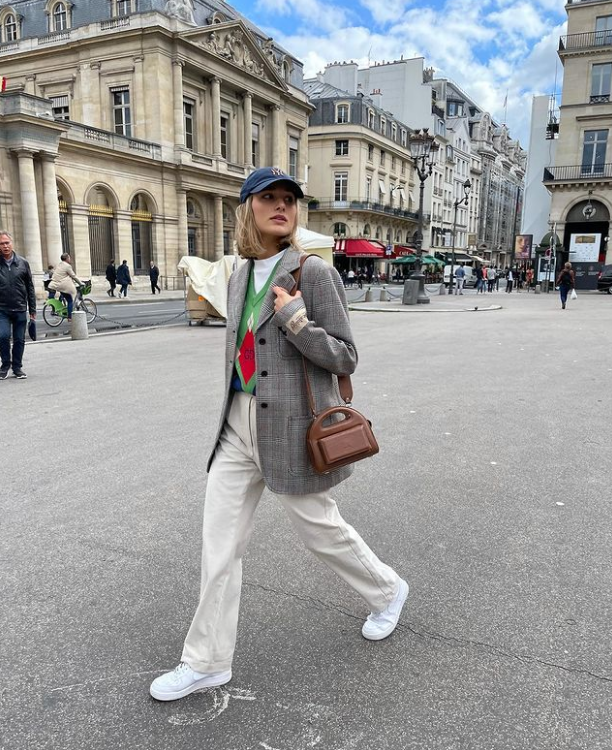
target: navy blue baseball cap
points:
(262, 178)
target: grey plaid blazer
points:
(283, 414)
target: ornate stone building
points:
(128, 126)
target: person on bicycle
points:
(63, 281)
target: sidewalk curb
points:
(424, 309)
(131, 329)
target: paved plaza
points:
(491, 495)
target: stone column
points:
(216, 115)
(248, 129)
(53, 232)
(81, 252)
(276, 137)
(177, 87)
(30, 84)
(181, 202)
(32, 246)
(123, 248)
(218, 227)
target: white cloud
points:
(487, 48)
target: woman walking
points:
(261, 439)
(565, 282)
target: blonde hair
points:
(568, 265)
(248, 237)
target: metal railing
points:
(586, 40)
(577, 173)
(365, 206)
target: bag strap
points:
(345, 385)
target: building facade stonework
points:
(580, 179)
(127, 128)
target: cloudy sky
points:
(487, 47)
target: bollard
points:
(384, 294)
(538, 289)
(368, 294)
(78, 327)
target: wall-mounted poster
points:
(522, 246)
(584, 248)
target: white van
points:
(470, 276)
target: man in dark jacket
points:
(154, 276)
(16, 297)
(111, 277)
(123, 278)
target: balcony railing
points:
(586, 40)
(578, 173)
(87, 134)
(380, 208)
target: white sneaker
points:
(379, 625)
(183, 680)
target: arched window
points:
(10, 28)
(366, 230)
(388, 236)
(398, 237)
(379, 233)
(340, 229)
(342, 113)
(60, 17)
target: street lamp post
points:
(423, 148)
(467, 186)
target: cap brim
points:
(293, 186)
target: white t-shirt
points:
(262, 270)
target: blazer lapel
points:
(284, 278)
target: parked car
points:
(604, 282)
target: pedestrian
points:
(47, 276)
(154, 276)
(509, 279)
(498, 275)
(64, 281)
(351, 277)
(565, 281)
(261, 439)
(529, 277)
(344, 277)
(111, 277)
(123, 278)
(460, 279)
(17, 297)
(491, 274)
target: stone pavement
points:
(491, 494)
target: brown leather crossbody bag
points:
(338, 435)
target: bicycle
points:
(55, 310)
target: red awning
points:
(359, 248)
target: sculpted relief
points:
(231, 45)
(182, 9)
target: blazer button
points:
(264, 373)
(264, 406)
(262, 341)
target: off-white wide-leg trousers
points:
(234, 488)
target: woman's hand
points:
(283, 297)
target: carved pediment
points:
(234, 43)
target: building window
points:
(403, 167)
(10, 29)
(342, 113)
(59, 16)
(371, 118)
(368, 189)
(403, 137)
(454, 109)
(379, 233)
(600, 83)
(341, 186)
(382, 157)
(382, 191)
(394, 131)
(342, 148)
(294, 146)
(594, 151)
(370, 152)
(603, 30)
(383, 125)
(340, 229)
(366, 230)
(224, 134)
(122, 117)
(188, 117)
(255, 144)
(60, 107)
(393, 163)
